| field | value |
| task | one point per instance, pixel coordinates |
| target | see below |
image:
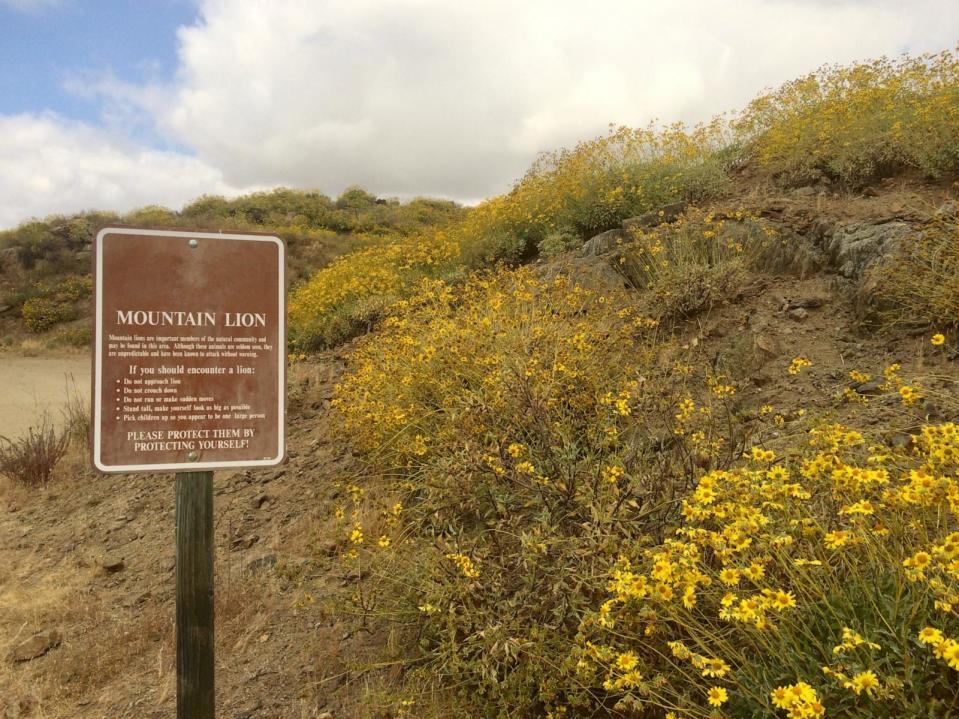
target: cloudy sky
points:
(114, 104)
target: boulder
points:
(602, 243)
(112, 564)
(592, 273)
(857, 247)
(872, 387)
(654, 218)
(36, 646)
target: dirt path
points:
(30, 386)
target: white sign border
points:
(98, 354)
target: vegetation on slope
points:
(569, 512)
(844, 125)
(45, 272)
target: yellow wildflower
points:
(863, 682)
(717, 696)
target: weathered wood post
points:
(194, 596)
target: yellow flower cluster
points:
(797, 365)
(465, 565)
(760, 544)
(696, 261)
(945, 649)
(848, 121)
(364, 283)
(448, 364)
(799, 700)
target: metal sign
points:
(189, 350)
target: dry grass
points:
(101, 643)
(76, 415)
(31, 459)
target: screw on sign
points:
(189, 348)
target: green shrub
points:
(695, 263)
(53, 303)
(919, 285)
(558, 242)
(518, 424)
(41, 313)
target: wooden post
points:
(194, 595)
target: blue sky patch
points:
(46, 49)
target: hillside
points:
(45, 264)
(669, 430)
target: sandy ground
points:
(31, 385)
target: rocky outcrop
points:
(855, 248)
(594, 273)
(654, 218)
(607, 241)
(36, 646)
(603, 242)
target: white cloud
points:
(428, 96)
(436, 97)
(50, 165)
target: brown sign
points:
(189, 350)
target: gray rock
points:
(857, 247)
(37, 645)
(899, 440)
(807, 303)
(594, 273)
(654, 218)
(948, 209)
(112, 564)
(797, 314)
(821, 228)
(872, 387)
(766, 346)
(774, 207)
(602, 243)
(245, 542)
